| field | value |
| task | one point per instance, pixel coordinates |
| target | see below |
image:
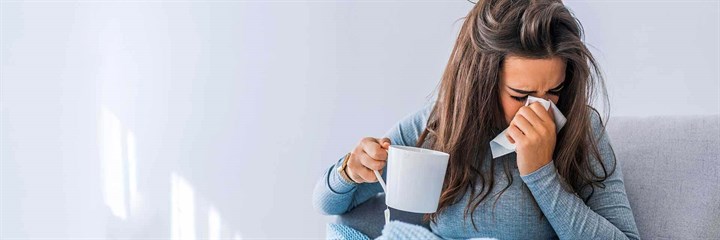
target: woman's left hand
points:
(532, 130)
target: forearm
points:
(569, 215)
(333, 195)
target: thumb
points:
(385, 143)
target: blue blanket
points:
(392, 230)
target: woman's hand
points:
(370, 154)
(532, 130)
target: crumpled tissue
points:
(501, 146)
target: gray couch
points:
(671, 170)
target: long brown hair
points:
(468, 114)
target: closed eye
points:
(523, 98)
(520, 99)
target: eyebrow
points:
(529, 92)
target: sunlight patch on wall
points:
(113, 169)
(132, 167)
(182, 202)
(213, 224)
(118, 154)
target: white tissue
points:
(500, 145)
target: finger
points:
(359, 173)
(515, 134)
(371, 163)
(510, 139)
(530, 115)
(351, 169)
(385, 143)
(374, 149)
(540, 127)
(525, 127)
(356, 178)
(351, 166)
(547, 118)
(367, 175)
(542, 113)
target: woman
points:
(563, 185)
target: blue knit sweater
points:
(535, 206)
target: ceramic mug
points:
(415, 178)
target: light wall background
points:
(214, 119)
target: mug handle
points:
(382, 184)
(380, 180)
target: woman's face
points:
(520, 77)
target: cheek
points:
(554, 99)
(510, 107)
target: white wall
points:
(659, 57)
(214, 119)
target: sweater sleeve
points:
(334, 196)
(606, 215)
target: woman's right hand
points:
(370, 154)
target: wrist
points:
(527, 165)
(535, 168)
(343, 170)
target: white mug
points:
(415, 178)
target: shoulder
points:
(407, 130)
(602, 144)
(598, 130)
(596, 122)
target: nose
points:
(544, 97)
(547, 97)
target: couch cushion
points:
(672, 173)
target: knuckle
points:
(364, 159)
(541, 130)
(523, 110)
(370, 163)
(532, 110)
(353, 163)
(533, 107)
(380, 154)
(375, 153)
(531, 138)
(355, 152)
(511, 129)
(380, 165)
